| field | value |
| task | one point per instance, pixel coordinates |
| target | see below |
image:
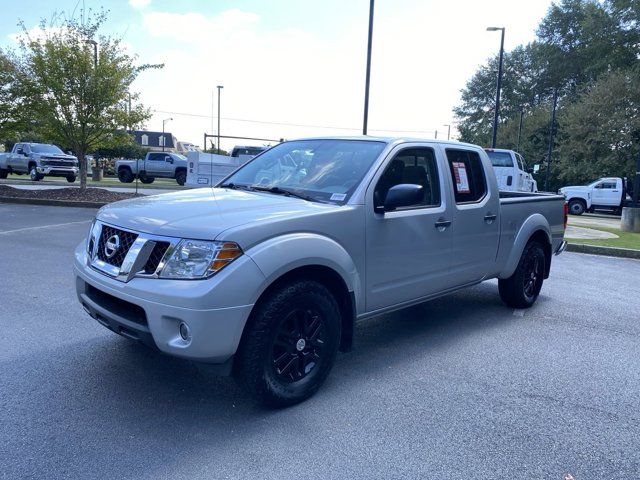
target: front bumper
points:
(151, 310)
(58, 171)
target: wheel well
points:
(541, 237)
(31, 164)
(335, 284)
(124, 167)
(181, 169)
(578, 199)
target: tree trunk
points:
(83, 170)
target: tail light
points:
(566, 214)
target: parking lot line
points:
(41, 227)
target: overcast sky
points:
(285, 62)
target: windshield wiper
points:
(285, 192)
(235, 186)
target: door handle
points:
(490, 218)
(442, 225)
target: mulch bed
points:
(68, 194)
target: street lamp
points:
(219, 87)
(499, 85)
(163, 123)
(95, 51)
(368, 76)
(448, 130)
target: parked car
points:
(511, 171)
(39, 160)
(247, 151)
(154, 165)
(265, 279)
(607, 193)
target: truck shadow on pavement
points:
(99, 407)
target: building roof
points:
(148, 138)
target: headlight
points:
(91, 237)
(194, 259)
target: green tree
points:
(10, 99)
(76, 99)
(602, 129)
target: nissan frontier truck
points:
(265, 275)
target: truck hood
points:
(205, 212)
(58, 156)
(574, 188)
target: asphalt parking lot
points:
(461, 387)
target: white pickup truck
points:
(266, 274)
(511, 171)
(607, 193)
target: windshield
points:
(181, 157)
(500, 159)
(42, 148)
(593, 184)
(323, 170)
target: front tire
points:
(577, 207)
(290, 344)
(146, 180)
(181, 178)
(34, 175)
(71, 178)
(4, 173)
(521, 289)
(125, 175)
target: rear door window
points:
(467, 174)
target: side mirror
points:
(19, 152)
(402, 195)
(530, 170)
(168, 159)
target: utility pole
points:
(164, 141)
(368, 75)
(436, 136)
(496, 114)
(519, 131)
(552, 132)
(448, 131)
(95, 52)
(219, 87)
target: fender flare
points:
(535, 223)
(585, 198)
(300, 250)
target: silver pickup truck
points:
(266, 274)
(38, 160)
(153, 165)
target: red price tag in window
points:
(462, 180)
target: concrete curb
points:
(53, 203)
(608, 251)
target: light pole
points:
(368, 75)
(552, 132)
(519, 130)
(448, 130)
(499, 85)
(163, 139)
(95, 52)
(219, 87)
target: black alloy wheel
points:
(298, 345)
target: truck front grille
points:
(125, 238)
(156, 257)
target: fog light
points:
(185, 332)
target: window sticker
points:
(338, 197)
(462, 180)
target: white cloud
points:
(422, 57)
(139, 3)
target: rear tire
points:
(181, 177)
(71, 178)
(577, 207)
(522, 288)
(289, 344)
(125, 175)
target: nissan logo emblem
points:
(111, 246)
